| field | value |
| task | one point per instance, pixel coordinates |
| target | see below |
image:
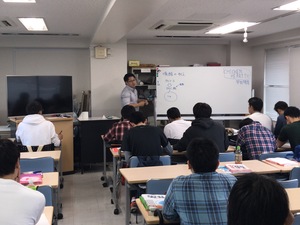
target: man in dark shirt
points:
(144, 141)
(204, 126)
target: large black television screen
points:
(53, 92)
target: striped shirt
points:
(255, 139)
(199, 198)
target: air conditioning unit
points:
(181, 25)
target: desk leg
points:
(127, 203)
(115, 186)
(104, 177)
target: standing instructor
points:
(129, 95)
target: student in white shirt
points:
(19, 204)
(177, 126)
(255, 108)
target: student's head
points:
(126, 111)
(137, 117)
(245, 122)
(202, 155)
(173, 113)
(130, 80)
(258, 200)
(280, 106)
(291, 113)
(255, 105)
(9, 157)
(34, 108)
(202, 110)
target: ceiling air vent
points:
(7, 23)
(181, 25)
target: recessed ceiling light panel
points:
(292, 6)
(19, 1)
(231, 27)
(34, 24)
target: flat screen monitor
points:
(53, 92)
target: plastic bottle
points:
(238, 155)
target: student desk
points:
(51, 179)
(48, 212)
(283, 169)
(293, 194)
(143, 174)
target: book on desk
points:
(152, 201)
(282, 161)
(234, 168)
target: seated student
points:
(290, 132)
(258, 200)
(116, 133)
(200, 198)
(19, 204)
(255, 108)
(204, 126)
(254, 139)
(176, 127)
(144, 141)
(35, 130)
(279, 107)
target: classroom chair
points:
(296, 219)
(158, 186)
(287, 154)
(226, 156)
(43, 164)
(295, 174)
(28, 148)
(46, 190)
(289, 183)
(165, 159)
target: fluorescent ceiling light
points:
(231, 27)
(34, 24)
(20, 1)
(290, 6)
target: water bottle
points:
(238, 155)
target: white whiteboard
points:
(226, 89)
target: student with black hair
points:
(19, 204)
(204, 126)
(279, 107)
(35, 130)
(199, 198)
(290, 132)
(258, 200)
(176, 127)
(116, 132)
(255, 108)
(254, 139)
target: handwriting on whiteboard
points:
(241, 77)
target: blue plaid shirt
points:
(200, 198)
(255, 139)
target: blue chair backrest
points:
(295, 174)
(43, 164)
(158, 186)
(275, 154)
(289, 183)
(47, 192)
(296, 219)
(297, 153)
(226, 157)
(165, 159)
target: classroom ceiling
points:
(93, 22)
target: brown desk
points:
(283, 169)
(256, 166)
(48, 211)
(143, 174)
(293, 194)
(32, 155)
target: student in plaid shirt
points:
(255, 139)
(116, 133)
(199, 198)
